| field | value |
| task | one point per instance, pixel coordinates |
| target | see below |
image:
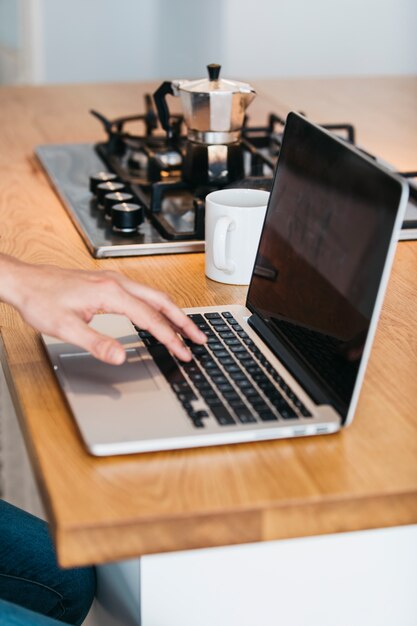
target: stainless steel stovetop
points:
(69, 167)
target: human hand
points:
(60, 302)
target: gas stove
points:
(156, 201)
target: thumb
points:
(102, 347)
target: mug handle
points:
(221, 229)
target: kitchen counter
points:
(104, 509)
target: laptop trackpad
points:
(84, 374)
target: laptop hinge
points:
(294, 365)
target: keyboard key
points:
(232, 342)
(218, 321)
(237, 349)
(216, 345)
(166, 364)
(232, 397)
(227, 315)
(259, 377)
(197, 377)
(212, 316)
(288, 414)
(221, 328)
(267, 416)
(228, 362)
(227, 334)
(258, 404)
(224, 387)
(201, 414)
(243, 383)
(208, 332)
(222, 415)
(191, 369)
(219, 379)
(282, 407)
(207, 390)
(238, 405)
(198, 423)
(206, 357)
(231, 368)
(276, 377)
(266, 385)
(185, 397)
(245, 416)
(210, 365)
(215, 372)
(181, 387)
(202, 386)
(196, 317)
(198, 350)
(213, 401)
(239, 375)
(220, 354)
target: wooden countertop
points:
(103, 509)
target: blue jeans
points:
(31, 578)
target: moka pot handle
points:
(162, 107)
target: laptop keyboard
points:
(228, 379)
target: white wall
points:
(108, 40)
(321, 37)
(9, 40)
(97, 40)
(8, 23)
(117, 40)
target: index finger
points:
(162, 302)
(144, 316)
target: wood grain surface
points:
(104, 509)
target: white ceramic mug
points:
(234, 220)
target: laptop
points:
(288, 364)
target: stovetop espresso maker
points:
(214, 113)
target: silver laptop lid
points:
(323, 259)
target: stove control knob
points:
(126, 217)
(101, 177)
(104, 188)
(115, 198)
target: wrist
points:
(11, 274)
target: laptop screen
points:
(321, 256)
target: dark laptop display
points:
(321, 257)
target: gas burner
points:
(149, 190)
(171, 184)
